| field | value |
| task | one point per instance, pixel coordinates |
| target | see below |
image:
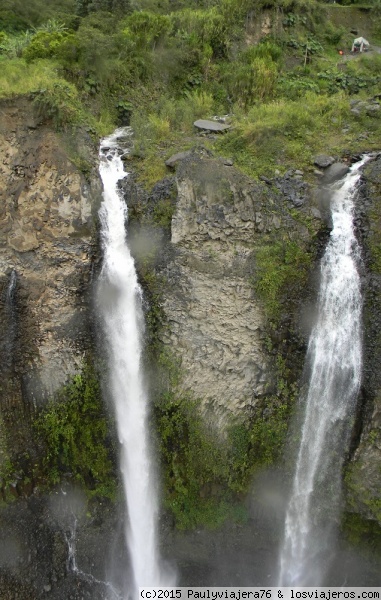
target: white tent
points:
(359, 44)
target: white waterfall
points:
(119, 297)
(334, 365)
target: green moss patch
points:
(73, 432)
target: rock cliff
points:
(46, 252)
(217, 321)
(364, 472)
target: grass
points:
(164, 129)
(54, 97)
(285, 134)
(17, 78)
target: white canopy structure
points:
(359, 44)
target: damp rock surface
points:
(47, 210)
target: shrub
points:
(147, 29)
(61, 104)
(73, 429)
(14, 46)
(45, 44)
(203, 28)
(251, 80)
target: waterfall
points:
(120, 301)
(72, 566)
(333, 367)
(10, 337)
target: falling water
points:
(119, 296)
(10, 336)
(72, 566)
(334, 364)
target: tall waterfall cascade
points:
(333, 369)
(120, 301)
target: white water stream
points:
(334, 364)
(120, 297)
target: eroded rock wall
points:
(46, 252)
(363, 477)
(217, 323)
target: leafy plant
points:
(61, 104)
(14, 46)
(44, 44)
(279, 264)
(352, 83)
(73, 430)
(52, 26)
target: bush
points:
(14, 46)
(45, 44)
(251, 79)
(147, 29)
(61, 104)
(73, 429)
(202, 29)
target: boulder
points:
(373, 110)
(206, 125)
(175, 158)
(335, 172)
(323, 161)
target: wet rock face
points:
(46, 209)
(364, 472)
(216, 324)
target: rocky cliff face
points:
(364, 472)
(46, 251)
(217, 323)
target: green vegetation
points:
(204, 474)
(71, 441)
(362, 532)
(358, 493)
(73, 433)
(95, 63)
(282, 272)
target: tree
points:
(84, 7)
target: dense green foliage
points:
(363, 533)
(282, 272)
(204, 473)
(172, 62)
(73, 432)
(71, 441)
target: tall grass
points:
(283, 133)
(18, 78)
